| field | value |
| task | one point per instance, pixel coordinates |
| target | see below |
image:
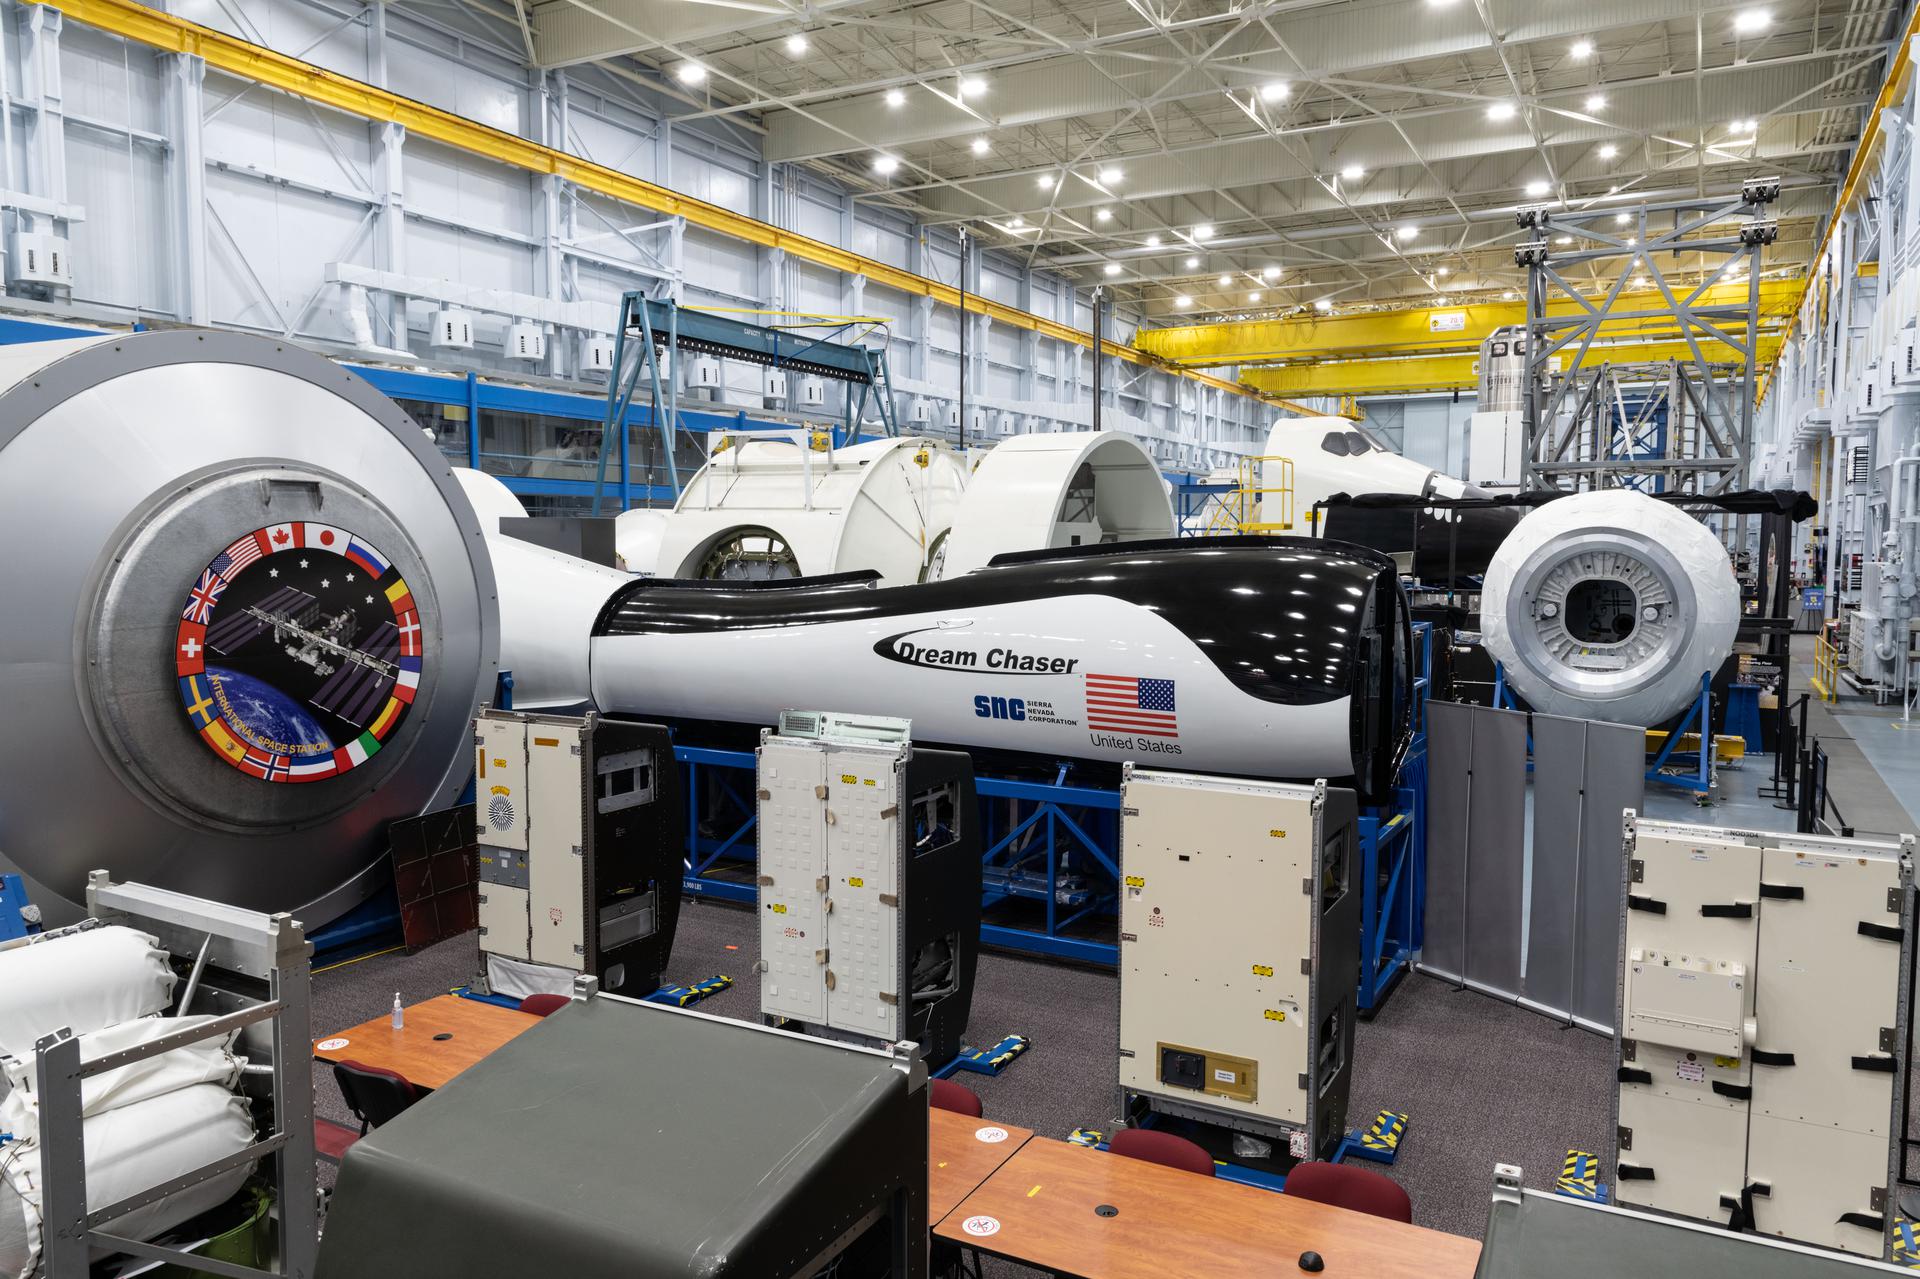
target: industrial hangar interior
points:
(1100, 638)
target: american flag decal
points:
(1126, 704)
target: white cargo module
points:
(869, 858)
(1762, 1022)
(580, 833)
(1239, 954)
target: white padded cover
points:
(85, 981)
(516, 978)
(130, 1149)
(211, 1061)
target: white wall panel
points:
(293, 183)
(268, 133)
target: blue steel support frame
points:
(478, 395)
(1393, 856)
(1055, 846)
(1700, 714)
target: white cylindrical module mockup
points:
(1610, 605)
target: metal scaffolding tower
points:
(1591, 425)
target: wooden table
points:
(474, 1029)
(962, 1152)
(1040, 1208)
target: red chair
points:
(543, 1005)
(373, 1094)
(958, 1098)
(1162, 1148)
(1356, 1189)
(331, 1141)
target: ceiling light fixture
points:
(896, 98)
(1110, 177)
(1409, 231)
(1565, 239)
(1183, 301)
(797, 44)
(1322, 304)
(1743, 126)
(1500, 111)
(1270, 273)
(1582, 50)
(1508, 295)
(1749, 20)
(980, 146)
(884, 165)
(1203, 232)
(1112, 268)
(972, 87)
(1608, 151)
(1048, 182)
(1225, 280)
(1275, 91)
(1353, 173)
(1621, 219)
(690, 73)
(1103, 215)
(1536, 189)
(1596, 102)
(1153, 242)
(1193, 264)
(1254, 296)
(1016, 224)
(1441, 272)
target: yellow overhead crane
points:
(1433, 348)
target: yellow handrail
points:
(1245, 509)
(1826, 669)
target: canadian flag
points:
(282, 537)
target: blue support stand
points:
(1393, 856)
(1699, 715)
(18, 916)
(986, 1061)
(1742, 718)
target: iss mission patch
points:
(298, 653)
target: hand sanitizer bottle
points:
(399, 1013)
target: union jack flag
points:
(204, 596)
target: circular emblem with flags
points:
(298, 652)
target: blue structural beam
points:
(1051, 854)
(479, 396)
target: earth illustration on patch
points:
(262, 714)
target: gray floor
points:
(1483, 1082)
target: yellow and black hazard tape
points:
(1086, 1137)
(1384, 1133)
(682, 996)
(1906, 1249)
(1579, 1176)
(991, 1061)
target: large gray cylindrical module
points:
(249, 616)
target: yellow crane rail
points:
(1393, 375)
(290, 75)
(1424, 329)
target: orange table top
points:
(1086, 1212)
(473, 1028)
(962, 1152)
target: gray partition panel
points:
(1449, 757)
(1584, 774)
(1476, 844)
(1616, 781)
